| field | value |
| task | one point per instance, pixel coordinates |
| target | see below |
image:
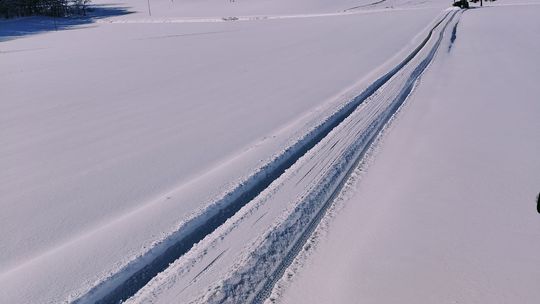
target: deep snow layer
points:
(128, 129)
(446, 210)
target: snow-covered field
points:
(127, 140)
(216, 10)
(446, 210)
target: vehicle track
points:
(137, 274)
(258, 268)
(268, 285)
(454, 34)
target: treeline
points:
(53, 8)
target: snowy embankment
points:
(129, 132)
(445, 212)
(222, 268)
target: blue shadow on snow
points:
(19, 27)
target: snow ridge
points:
(254, 277)
(140, 271)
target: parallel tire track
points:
(266, 289)
(139, 272)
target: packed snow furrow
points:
(139, 272)
(268, 285)
(279, 196)
(250, 240)
(282, 243)
(454, 35)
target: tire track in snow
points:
(254, 281)
(205, 269)
(268, 285)
(210, 264)
(454, 34)
(139, 272)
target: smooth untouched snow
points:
(167, 10)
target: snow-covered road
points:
(444, 211)
(129, 131)
(187, 155)
(222, 268)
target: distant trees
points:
(54, 8)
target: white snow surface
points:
(446, 211)
(128, 130)
(233, 271)
(171, 10)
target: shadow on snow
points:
(19, 27)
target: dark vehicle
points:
(462, 3)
